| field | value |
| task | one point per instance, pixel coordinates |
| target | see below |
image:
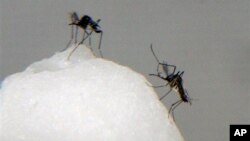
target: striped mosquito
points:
(175, 82)
(89, 26)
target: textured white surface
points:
(85, 98)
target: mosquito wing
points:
(74, 17)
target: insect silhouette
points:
(174, 80)
(89, 26)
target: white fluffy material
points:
(83, 99)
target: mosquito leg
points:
(180, 101)
(99, 46)
(158, 75)
(158, 66)
(151, 47)
(173, 106)
(72, 52)
(72, 33)
(169, 65)
(83, 37)
(76, 33)
(78, 45)
(174, 109)
(166, 94)
(163, 64)
(157, 86)
(173, 67)
(71, 38)
(88, 36)
(90, 41)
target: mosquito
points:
(89, 26)
(174, 80)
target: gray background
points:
(208, 39)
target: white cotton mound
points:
(84, 99)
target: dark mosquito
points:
(89, 26)
(174, 80)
